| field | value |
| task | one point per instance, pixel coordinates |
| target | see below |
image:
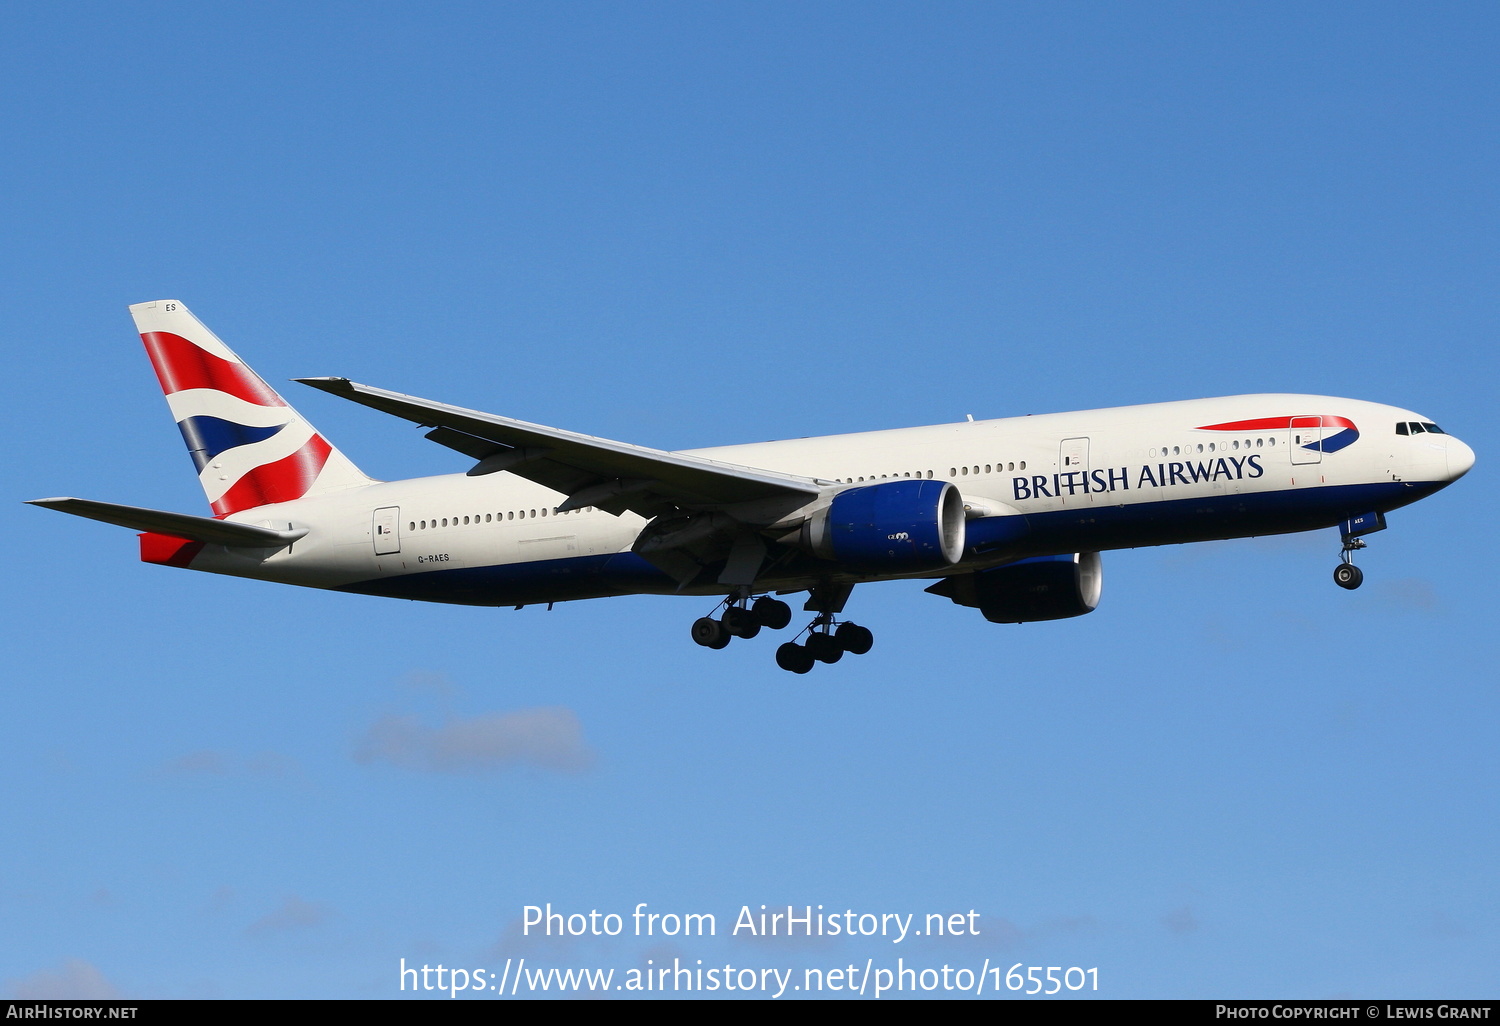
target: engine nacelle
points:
(1041, 588)
(900, 526)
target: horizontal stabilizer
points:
(178, 525)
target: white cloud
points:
(207, 762)
(548, 738)
(77, 979)
(1180, 920)
(204, 763)
(428, 682)
(1409, 593)
(293, 914)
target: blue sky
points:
(696, 224)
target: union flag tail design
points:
(251, 448)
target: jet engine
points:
(893, 527)
(1040, 588)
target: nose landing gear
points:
(1346, 574)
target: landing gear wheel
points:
(1347, 575)
(854, 639)
(740, 622)
(710, 633)
(824, 647)
(794, 657)
(772, 613)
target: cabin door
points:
(1306, 439)
(387, 531)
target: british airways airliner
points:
(1006, 516)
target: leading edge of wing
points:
(528, 450)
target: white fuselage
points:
(1084, 481)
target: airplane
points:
(1006, 516)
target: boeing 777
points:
(1006, 516)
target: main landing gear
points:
(826, 643)
(741, 619)
(827, 637)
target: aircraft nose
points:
(1460, 458)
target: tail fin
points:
(249, 446)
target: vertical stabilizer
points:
(250, 448)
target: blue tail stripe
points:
(206, 437)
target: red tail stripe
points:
(180, 364)
(287, 479)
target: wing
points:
(613, 476)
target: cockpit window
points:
(1403, 429)
(1433, 429)
(1416, 428)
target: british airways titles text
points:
(1160, 475)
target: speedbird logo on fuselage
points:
(1343, 435)
(1186, 472)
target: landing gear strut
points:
(1346, 574)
